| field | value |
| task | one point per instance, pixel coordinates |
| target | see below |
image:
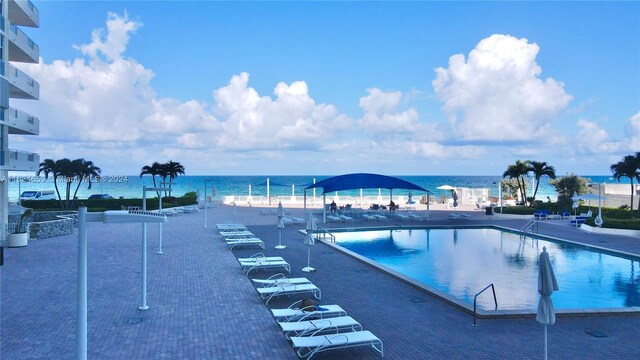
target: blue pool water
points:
(461, 262)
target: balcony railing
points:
(22, 86)
(21, 47)
(21, 123)
(24, 13)
(20, 161)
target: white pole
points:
(314, 192)
(160, 242)
(293, 190)
(249, 190)
(360, 197)
(81, 327)
(143, 292)
(324, 207)
(268, 201)
(205, 203)
(305, 201)
(545, 342)
(500, 194)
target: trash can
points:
(488, 210)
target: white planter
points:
(18, 240)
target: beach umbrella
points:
(410, 198)
(445, 187)
(576, 202)
(455, 199)
(309, 241)
(547, 284)
(280, 226)
(599, 222)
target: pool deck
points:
(201, 305)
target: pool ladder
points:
(325, 232)
(529, 227)
(475, 298)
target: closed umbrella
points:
(599, 222)
(309, 241)
(455, 199)
(576, 203)
(280, 226)
(547, 284)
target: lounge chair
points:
(417, 217)
(231, 227)
(280, 279)
(333, 218)
(369, 217)
(264, 263)
(244, 242)
(293, 312)
(318, 326)
(565, 215)
(346, 218)
(256, 256)
(268, 293)
(292, 220)
(235, 233)
(403, 217)
(380, 217)
(454, 216)
(307, 346)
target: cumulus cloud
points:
(496, 93)
(632, 132)
(290, 120)
(382, 116)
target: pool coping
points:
(464, 306)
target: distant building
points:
(16, 47)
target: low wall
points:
(47, 224)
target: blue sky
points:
(424, 88)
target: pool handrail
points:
(325, 232)
(475, 298)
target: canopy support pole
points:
(324, 208)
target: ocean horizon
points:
(130, 186)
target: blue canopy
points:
(364, 181)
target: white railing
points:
(29, 51)
(22, 85)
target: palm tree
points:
(540, 169)
(518, 171)
(154, 170)
(48, 166)
(173, 169)
(84, 170)
(629, 167)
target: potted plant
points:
(19, 237)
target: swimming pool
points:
(461, 262)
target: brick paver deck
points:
(203, 307)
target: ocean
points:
(130, 186)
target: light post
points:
(205, 200)
(121, 217)
(144, 208)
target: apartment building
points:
(16, 47)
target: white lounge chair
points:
(346, 218)
(280, 279)
(235, 233)
(244, 242)
(270, 292)
(293, 312)
(293, 220)
(264, 264)
(333, 218)
(403, 217)
(369, 217)
(254, 258)
(231, 227)
(317, 326)
(380, 217)
(307, 346)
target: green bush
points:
(613, 223)
(109, 204)
(516, 210)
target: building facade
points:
(16, 47)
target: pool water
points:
(461, 262)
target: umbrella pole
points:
(309, 257)
(279, 237)
(545, 342)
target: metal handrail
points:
(530, 225)
(495, 300)
(325, 232)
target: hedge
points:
(109, 204)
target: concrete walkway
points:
(203, 307)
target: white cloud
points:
(496, 94)
(593, 139)
(382, 117)
(632, 132)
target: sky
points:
(307, 88)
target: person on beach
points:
(333, 207)
(392, 206)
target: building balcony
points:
(21, 85)
(20, 122)
(21, 47)
(24, 13)
(15, 160)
